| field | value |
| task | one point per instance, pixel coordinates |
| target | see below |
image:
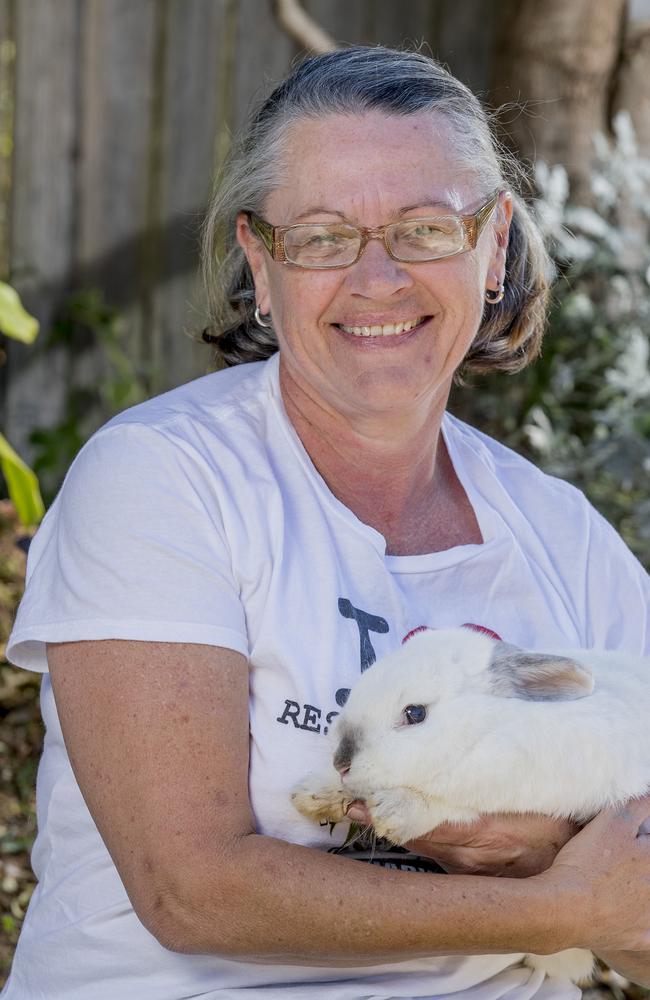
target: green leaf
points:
(22, 485)
(15, 321)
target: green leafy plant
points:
(102, 379)
(22, 484)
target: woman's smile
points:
(382, 336)
(370, 328)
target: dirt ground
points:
(21, 736)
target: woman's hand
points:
(606, 868)
(500, 844)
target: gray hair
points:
(352, 81)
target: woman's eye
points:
(415, 714)
(427, 231)
(323, 240)
(424, 230)
(314, 239)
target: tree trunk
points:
(632, 89)
(559, 59)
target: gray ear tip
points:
(516, 673)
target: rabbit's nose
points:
(344, 754)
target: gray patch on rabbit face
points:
(515, 673)
(345, 751)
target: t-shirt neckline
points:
(421, 562)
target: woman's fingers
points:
(644, 828)
(608, 866)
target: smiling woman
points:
(224, 560)
(337, 326)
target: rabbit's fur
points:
(505, 731)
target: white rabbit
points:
(455, 724)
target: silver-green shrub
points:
(582, 411)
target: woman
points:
(226, 558)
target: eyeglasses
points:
(337, 244)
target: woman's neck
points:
(392, 471)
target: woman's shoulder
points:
(524, 481)
(210, 399)
(206, 431)
(560, 531)
(225, 413)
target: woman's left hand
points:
(501, 844)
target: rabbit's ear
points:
(515, 673)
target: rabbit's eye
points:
(415, 714)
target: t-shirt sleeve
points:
(133, 547)
(617, 592)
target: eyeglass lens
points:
(338, 244)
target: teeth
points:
(389, 330)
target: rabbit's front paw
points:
(320, 799)
(400, 814)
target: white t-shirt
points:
(199, 517)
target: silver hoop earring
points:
(494, 297)
(262, 319)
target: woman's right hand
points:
(605, 871)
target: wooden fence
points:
(113, 116)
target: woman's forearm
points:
(275, 902)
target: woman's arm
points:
(634, 966)
(525, 845)
(521, 846)
(158, 737)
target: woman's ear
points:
(257, 260)
(501, 230)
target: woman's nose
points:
(376, 275)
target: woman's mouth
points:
(383, 330)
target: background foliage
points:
(582, 411)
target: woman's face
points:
(370, 170)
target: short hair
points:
(353, 81)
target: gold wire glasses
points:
(338, 244)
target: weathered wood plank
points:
(7, 87)
(7, 95)
(463, 38)
(401, 25)
(115, 136)
(192, 109)
(264, 53)
(345, 21)
(43, 201)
